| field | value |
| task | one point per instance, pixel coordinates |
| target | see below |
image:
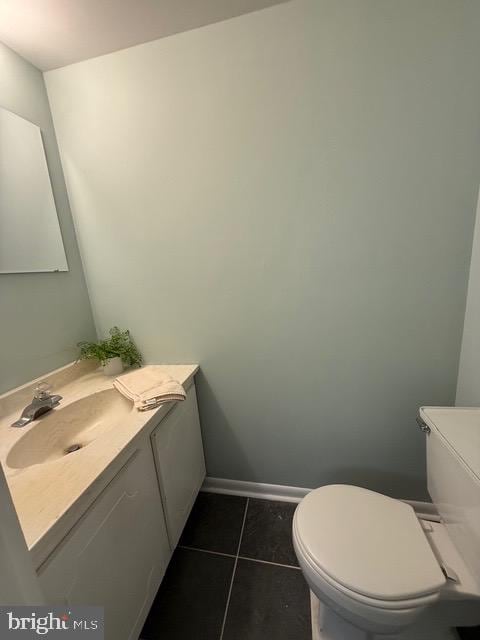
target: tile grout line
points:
(275, 564)
(215, 553)
(232, 555)
(234, 570)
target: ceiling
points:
(54, 33)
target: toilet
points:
(380, 571)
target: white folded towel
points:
(149, 387)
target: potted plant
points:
(112, 352)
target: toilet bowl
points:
(376, 566)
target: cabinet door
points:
(178, 448)
(117, 553)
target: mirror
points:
(30, 237)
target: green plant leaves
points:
(119, 344)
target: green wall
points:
(468, 385)
(288, 198)
(42, 315)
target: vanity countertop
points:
(48, 496)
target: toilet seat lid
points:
(371, 544)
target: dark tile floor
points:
(234, 576)
(469, 633)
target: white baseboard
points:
(286, 493)
(254, 489)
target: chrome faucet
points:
(42, 402)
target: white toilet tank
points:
(453, 472)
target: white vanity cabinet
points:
(178, 450)
(117, 553)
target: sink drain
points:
(72, 448)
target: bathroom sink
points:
(64, 431)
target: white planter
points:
(113, 367)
